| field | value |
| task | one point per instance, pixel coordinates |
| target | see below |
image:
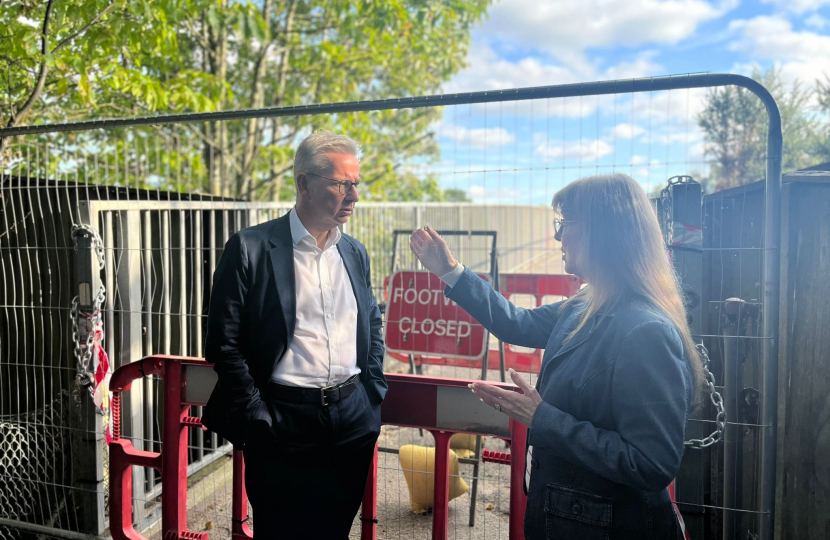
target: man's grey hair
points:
(311, 154)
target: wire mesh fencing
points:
(164, 194)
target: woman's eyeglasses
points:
(345, 186)
(558, 226)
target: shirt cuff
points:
(452, 277)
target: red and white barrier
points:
(441, 406)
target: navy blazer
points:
(252, 317)
(608, 436)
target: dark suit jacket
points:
(608, 436)
(252, 317)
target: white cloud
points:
(487, 71)
(677, 107)
(798, 6)
(477, 137)
(642, 172)
(627, 131)
(582, 150)
(566, 28)
(697, 152)
(642, 66)
(816, 21)
(484, 195)
(693, 135)
(801, 55)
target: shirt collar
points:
(300, 233)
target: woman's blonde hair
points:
(623, 253)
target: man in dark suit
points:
(294, 333)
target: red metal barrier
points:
(537, 285)
(412, 401)
(171, 462)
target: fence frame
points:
(770, 267)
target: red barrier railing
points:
(412, 401)
(520, 359)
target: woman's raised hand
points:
(431, 250)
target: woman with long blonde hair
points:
(619, 375)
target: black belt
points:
(324, 396)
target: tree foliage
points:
(734, 123)
(81, 59)
(821, 139)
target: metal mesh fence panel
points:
(165, 194)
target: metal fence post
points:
(128, 287)
(88, 440)
(771, 271)
(731, 376)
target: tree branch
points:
(395, 167)
(44, 70)
(86, 27)
(272, 177)
(20, 63)
(285, 55)
(193, 33)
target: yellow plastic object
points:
(464, 444)
(418, 464)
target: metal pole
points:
(88, 439)
(731, 368)
(771, 284)
(51, 532)
(149, 383)
(651, 84)
(128, 285)
(211, 234)
(474, 492)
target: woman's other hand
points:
(520, 407)
(431, 250)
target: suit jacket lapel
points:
(282, 261)
(351, 259)
(550, 363)
(578, 339)
(568, 325)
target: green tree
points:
(132, 57)
(821, 140)
(734, 123)
(75, 59)
(455, 195)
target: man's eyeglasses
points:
(559, 225)
(345, 186)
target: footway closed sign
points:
(421, 320)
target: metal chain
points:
(709, 379)
(83, 353)
(717, 401)
(83, 356)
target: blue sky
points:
(523, 152)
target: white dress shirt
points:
(451, 278)
(323, 351)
